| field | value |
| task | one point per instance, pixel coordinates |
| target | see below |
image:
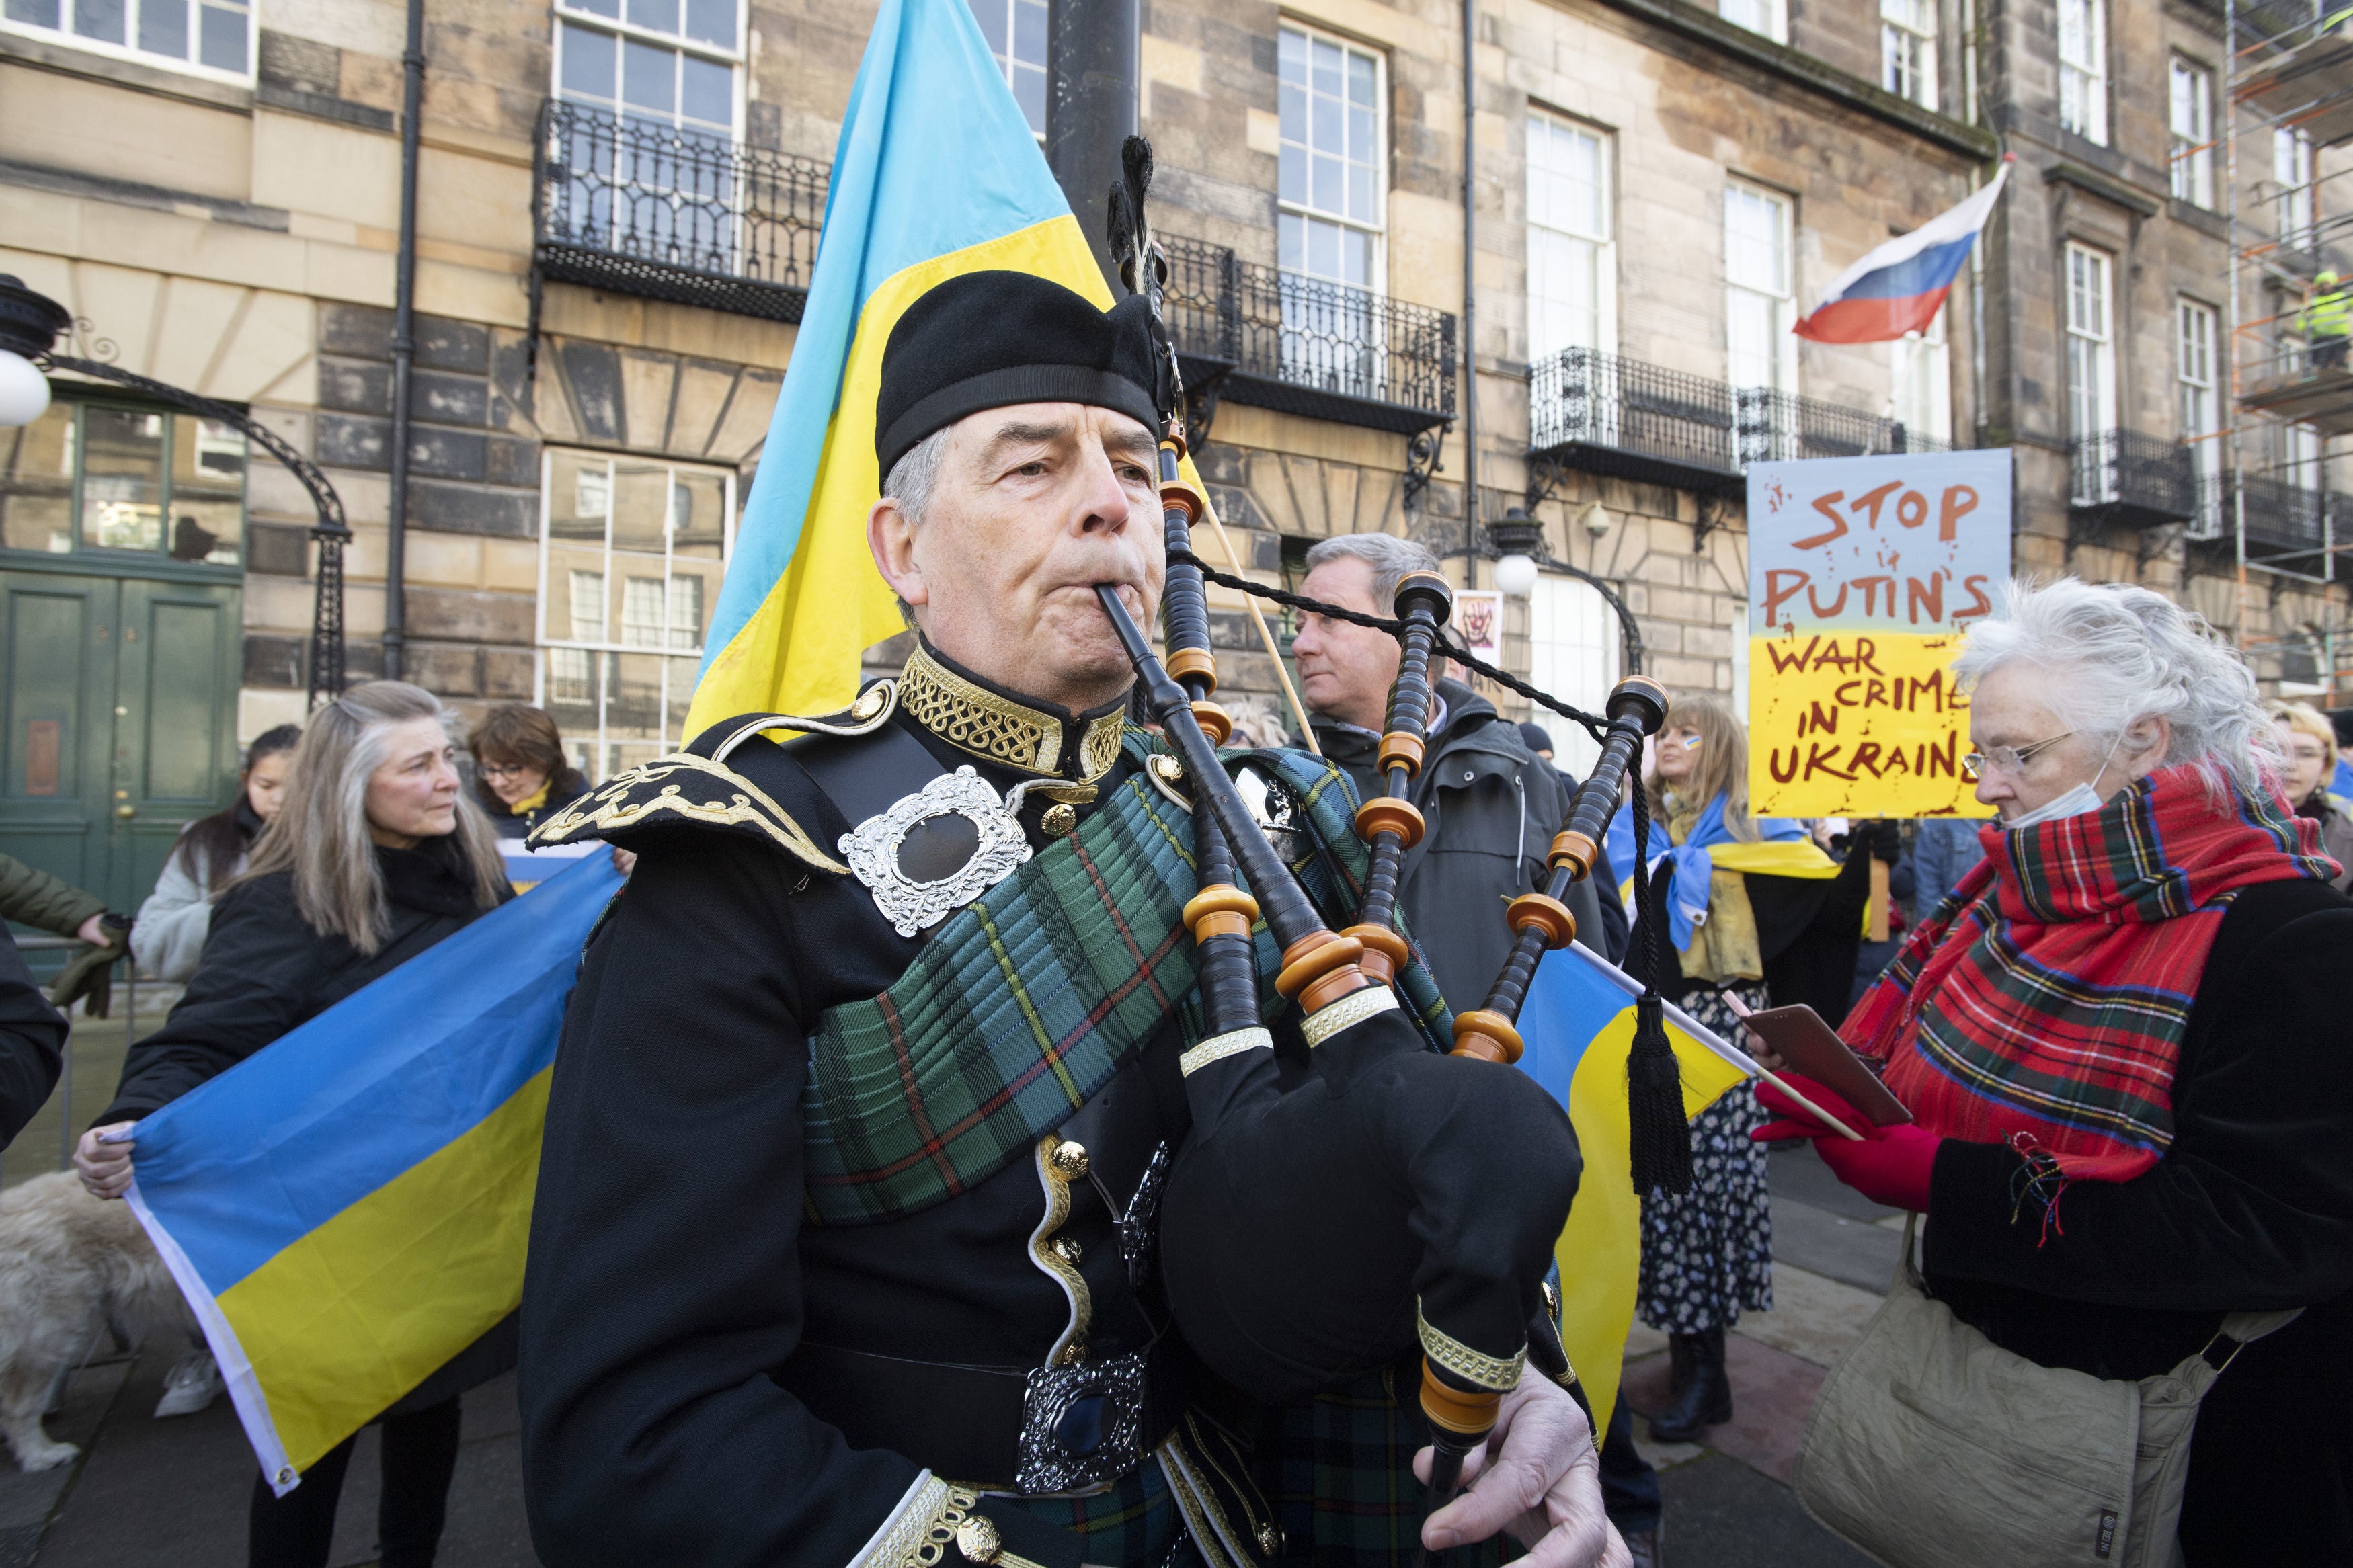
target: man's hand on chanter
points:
(1539, 1477)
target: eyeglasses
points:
(504, 770)
(2008, 759)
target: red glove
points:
(1889, 1165)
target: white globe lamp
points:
(1516, 539)
(30, 325)
(24, 391)
(1516, 577)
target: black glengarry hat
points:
(987, 340)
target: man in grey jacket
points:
(1491, 805)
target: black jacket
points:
(2250, 1208)
(265, 970)
(32, 1042)
(1493, 807)
(1808, 931)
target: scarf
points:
(2044, 1002)
(1700, 844)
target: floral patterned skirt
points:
(1708, 1254)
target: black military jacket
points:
(708, 1378)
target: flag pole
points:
(1266, 636)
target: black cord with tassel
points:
(1659, 1134)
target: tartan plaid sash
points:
(1025, 1003)
(2049, 994)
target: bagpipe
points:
(1321, 1221)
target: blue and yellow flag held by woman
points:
(936, 174)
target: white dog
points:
(74, 1267)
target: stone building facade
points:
(1657, 191)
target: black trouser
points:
(2328, 354)
(421, 1452)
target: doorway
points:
(118, 710)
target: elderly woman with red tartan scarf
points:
(2124, 1040)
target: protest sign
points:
(1864, 574)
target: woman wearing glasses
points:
(1757, 910)
(521, 775)
(2310, 741)
(2123, 1044)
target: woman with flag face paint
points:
(2123, 1041)
(1750, 903)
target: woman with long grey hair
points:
(2122, 1040)
(375, 855)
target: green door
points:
(117, 722)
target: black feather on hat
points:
(989, 340)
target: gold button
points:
(1067, 1249)
(1169, 768)
(978, 1538)
(1068, 1160)
(869, 703)
(1059, 819)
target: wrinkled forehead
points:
(999, 433)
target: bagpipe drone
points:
(1321, 1223)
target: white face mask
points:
(2074, 803)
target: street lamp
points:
(1518, 539)
(29, 324)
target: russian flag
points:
(1900, 287)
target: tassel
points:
(1659, 1136)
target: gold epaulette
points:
(682, 788)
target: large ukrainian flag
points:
(348, 1209)
(935, 174)
(1578, 1025)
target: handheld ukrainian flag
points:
(1578, 1025)
(935, 174)
(348, 1208)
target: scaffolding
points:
(2288, 69)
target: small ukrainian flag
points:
(1578, 1025)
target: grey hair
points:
(1389, 556)
(321, 832)
(911, 482)
(2122, 654)
(914, 476)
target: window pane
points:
(37, 482)
(1360, 194)
(39, 13)
(699, 517)
(1030, 32)
(640, 506)
(223, 39)
(1294, 184)
(641, 612)
(1326, 77)
(100, 19)
(208, 500)
(992, 15)
(1292, 49)
(649, 77)
(681, 692)
(164, 27)
(1324, 122)
(1326, 190)
(685, 626)
(589, 58)
(1360, 79)
(712, 21)
(586, 603)
(598, 8)
(123, 474)
(1324, 250)
(661, 16)
(1291, 242)
(1295, 112)
(709, 95)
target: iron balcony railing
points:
(2283, 518)
(2143, 479)
(1610, 414)
(646, 209)
(1308, 346)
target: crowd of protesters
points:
(2108, 1013)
